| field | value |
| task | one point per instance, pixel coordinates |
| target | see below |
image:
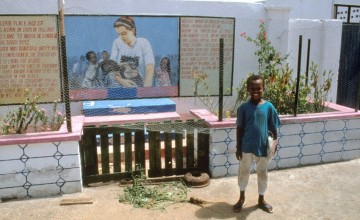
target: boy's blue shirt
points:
(256, 121)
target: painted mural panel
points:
(119, 57)
(113, 56)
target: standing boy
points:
(256, 119)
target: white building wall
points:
(247, 15)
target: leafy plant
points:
(28, 114)
(269, 59)
(319, 91)
(143, 195)
(280, 88)
(201, 84)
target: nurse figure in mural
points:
(128, 46)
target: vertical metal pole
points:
(221, 78)
(357, 100)
(307, 62)
(298, 77)
(64, 66)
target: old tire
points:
(197, 179)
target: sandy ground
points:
(329, 191)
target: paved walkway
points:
(329, 191)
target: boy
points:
(255, 119)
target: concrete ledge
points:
(122, 119)
(50, 136)
(341, 112)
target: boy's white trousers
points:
(261, 169)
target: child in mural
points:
(163, 73)
(129, 45)
(91, 75)
(121, 76)
(104, 56)
(102, 76)
(129, 65)
(78, 71)
(256, 119)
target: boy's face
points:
(255, 89)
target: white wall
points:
(247, 15)
(307, 9)
(325, 36)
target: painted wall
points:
(39, 169)
(304, 140)
(247, 15)
(41, 164)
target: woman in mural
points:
(128, 45)
(163, 73)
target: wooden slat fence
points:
(110, 153)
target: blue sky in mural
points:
(85, 33)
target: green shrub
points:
(28, 114)
(280, 86)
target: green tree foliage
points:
(280, 86)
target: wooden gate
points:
(162, 149)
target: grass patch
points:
(141, 194)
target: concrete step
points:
(132, 106)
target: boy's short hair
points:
(254, 78)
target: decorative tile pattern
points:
(33, 170)
(299, 144)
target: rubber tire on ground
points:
(197, 179)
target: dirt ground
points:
(329, 191)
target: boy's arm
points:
(239, 136)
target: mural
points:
(117, 57)
(114, 57)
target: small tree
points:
(280, 88)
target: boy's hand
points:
(238, 154)
(275, 144)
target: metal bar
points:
(298, 77)
(64, 68)
(221, 78)
(307, 62)
(357, 100)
